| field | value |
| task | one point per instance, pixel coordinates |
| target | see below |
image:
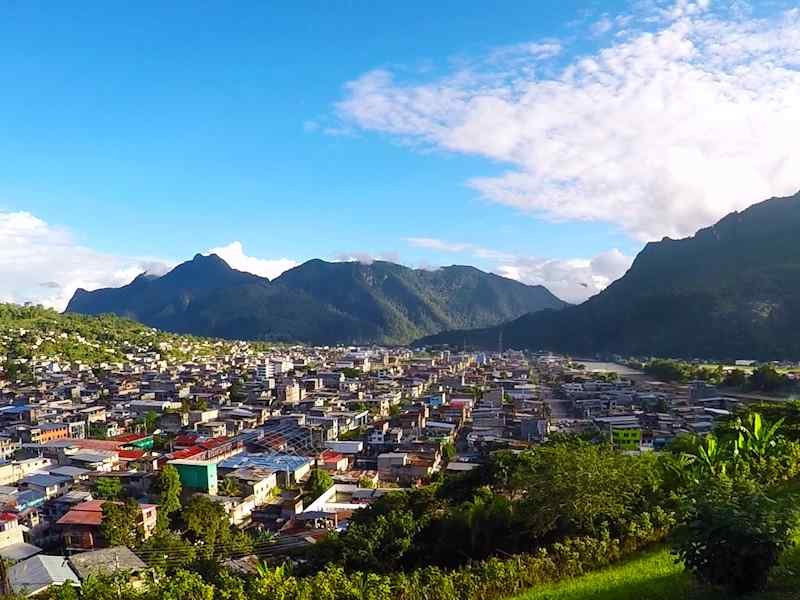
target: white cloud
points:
(44, 264)
(660, 133)
(366, 258)
(573, 280)
(234, 255)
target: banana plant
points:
(756, 438)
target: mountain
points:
(730, 291)
(317, 302)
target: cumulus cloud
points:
(234, 255)
(659, 133)
(573, 280)
(44, 264)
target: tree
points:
(735, 379)
(207, 524)
(120, 523)
(150, 420)
(108, 488)
(733, 533)
(366, 482)
(229, 487)
(168, 550)
(767, 379)
(168, 486)
(448, 452)
(319, 482)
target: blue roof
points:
(29, 498)
(16, 409)
(43, 480)
(276, 462)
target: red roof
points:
(93, 444)
(131, 454)
(329, 456)
(214, 442)
(186, 440)
(81, 517)
(187, 453)
(7, 516)
(128, 437)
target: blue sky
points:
(133, 134)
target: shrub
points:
(733, 533)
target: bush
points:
(733, 534)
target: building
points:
(12, 472)
(197, 475)
(35, 575)
(80, 527)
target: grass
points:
(654, 575)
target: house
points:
(10, 531)
(80, 527)
(255, 482)
(35, 575)
(12, 472)
(197, 475)
(107, 561)
(48, 484)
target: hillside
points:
(656, 575)
(730, 291)
(34, 333)
(318, 301)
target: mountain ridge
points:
(317, 301)
(732, 290)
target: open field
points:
(654, 575)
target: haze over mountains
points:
(318, 302)
(730, 291)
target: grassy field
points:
(655, 576)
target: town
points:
(289, 441)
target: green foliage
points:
(229, 487)
(351, 373)
(107, 488)
(366, 482)
(168, 550)
(319, 481)
(733, 530)
(35, 332)
(767, 379)
(208, 526)
(120, 523)
(733, 533)
(168, 487)
(448, 451)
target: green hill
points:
(318, 301)
(655, 575)
(730, 291)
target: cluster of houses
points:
(247, 427)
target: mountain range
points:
(730, 291)
(317, 302)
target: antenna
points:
(500, 342)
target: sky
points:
(543, 140)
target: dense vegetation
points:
(318, 302)
(763, 378)
(726, 503)
(34, 332)
(731, 291)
